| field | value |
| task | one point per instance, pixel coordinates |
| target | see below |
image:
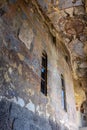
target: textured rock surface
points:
(26, 35)
(26, 29)
(69, 17)
(70, 22)
(13, 117)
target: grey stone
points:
(18, 118)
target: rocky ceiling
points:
(67, 21)
(69, 18)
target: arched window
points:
(63, 93)
(44, 74)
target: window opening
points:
(44, 74)
(63, 93)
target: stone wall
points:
(80, 97)
(23, 37)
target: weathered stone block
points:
(26, 35)
(13, 117)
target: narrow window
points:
(63, 93)
(44, 74)
(66, 58)
(54, 40)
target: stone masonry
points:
(27, 28)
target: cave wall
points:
(69, 17)
(23, 37)
(80, 97)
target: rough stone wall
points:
(23, 37)
(69, 18)
(14, 117)
(66, 18)
(80, 97)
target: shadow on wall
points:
(14, 117)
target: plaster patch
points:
(6, 76)
(30, 106)
(26, 35)
(10, 70)
(21, 57)
(38, 110)
(19, 101)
